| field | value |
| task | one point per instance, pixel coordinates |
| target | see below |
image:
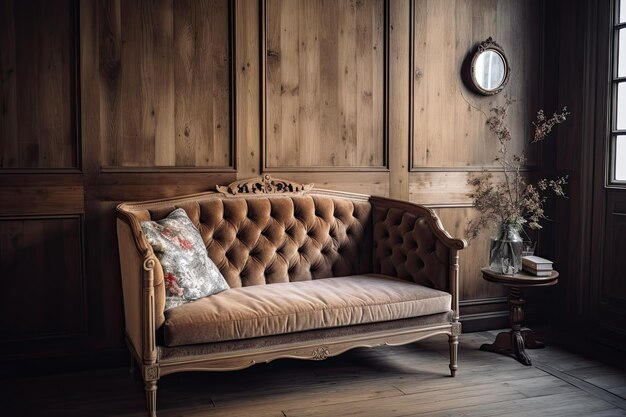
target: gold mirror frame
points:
(488, 45)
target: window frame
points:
(616, 81)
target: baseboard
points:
(478, 322)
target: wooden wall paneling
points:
(248, 91)
(8, 88)
(439, 187)
(42, 278)
(611, 297)
(473, 258)
(95, 98)
(41, 184)
(450, 131)
(105, 307)
(103, 51)
(449, 141)
(41, 194)
(151, 185)
(203, 83)
(483, 304)
(166, 83)
(613, 283)
(38, 85)
(400, 127)
(445, 187)
(372, 183)
(324, 85)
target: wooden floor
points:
(383, 382)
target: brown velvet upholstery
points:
(324, 254)
(174, 353)
(269, 240)
(248, 312)
(405, 247)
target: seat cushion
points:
(264, 310)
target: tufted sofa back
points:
(406, 247)
(263, 240)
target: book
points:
(537, 263)
(537, 273)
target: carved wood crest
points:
(264, 185)
(488, 44)
(320, 353)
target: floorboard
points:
(410, 380)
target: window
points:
(617, 149)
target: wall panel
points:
(41, 183)
(449, 121)
(38, 127)
(325, 87)
(42, 278)
(450, 141)
(612, 285)
(483, 304)
(165, 84)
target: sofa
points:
(312, 273)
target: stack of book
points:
(535, 265)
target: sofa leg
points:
(151, 391)
(453, 340)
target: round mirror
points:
(489, 68)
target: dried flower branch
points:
(512, 201)
(544, 126)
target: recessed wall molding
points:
(49, 251)
(167, 86)
(448, 122)
(325, 86)
(40, 87)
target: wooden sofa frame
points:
(138, 276)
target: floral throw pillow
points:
(189, 273)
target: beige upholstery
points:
(313, 273)
(175, 353)
(405, 248)
(248, 312)
(282, 239)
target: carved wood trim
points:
(150, 373)
(425, 212)
(320, 353)
(149, 332)
(456, 329)
(454, 287)
(263, 185)
(309, 350)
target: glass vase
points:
(505, 255)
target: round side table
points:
(514, 342)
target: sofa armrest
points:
(411, 243)
(142, 282)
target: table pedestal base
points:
(513, 344)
